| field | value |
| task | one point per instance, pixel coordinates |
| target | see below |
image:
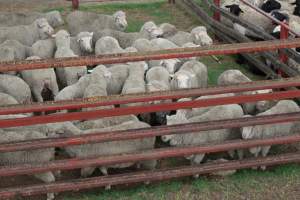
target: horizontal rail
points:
(77, 163)
(139, 177)
(148, 132)
(260, 11)
(96, 114)
(221, 49)
(146, 97)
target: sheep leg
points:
(196, 160)
(149, 165)
(37, 92)
(255, 151)
(105, 173)
(87, 171)
(47, 177)
(264, 153)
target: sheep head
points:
(44, 29)
(120, 20)
(183, 80)
(54, 18)
(62, 38)
(200, 36)
(151, 30)
(85, 41)
(170, 64)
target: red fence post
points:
(75, 4)
(171, 1)
(284, 34)
(217, 14)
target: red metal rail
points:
(148, 132)
(147, 97)
(222, 49)
(139, 177)
(96, 114)
(154, 154)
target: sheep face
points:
(200, 36)
(62, 38)
(170, 65)
(44, 29)
(85, 41)
(120, 20)
(183, 81)
(247, 132)
(54, 18)
(152, 30)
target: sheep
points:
(28, 157)
(170, 64)
(27, 34)
(108, 45)
(6, 99)
(74, 91)
(272, 130)
(68, 75)
(234, 77)
(15, 87)
(98, 82)
(14, 19)
(168, 30)
(198, 36)
(41, 80)
(79, 21)
(192, 74)
(81, 45)
(148, 31)
(20, 51)
(119, 74)
(270, 5)
(158, 79)
(203, 137)
(112, 148)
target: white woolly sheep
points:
(234, 77)
(67, 75)
(168, 30)
(14, 19)
(15, 87)
(203, 137)
(158, 79)
(6, 99)
(108, 45)
(192, 74)
(20, 51)
(74, 91)
(148, 31)
(41, 80)
(28, 157)
(27, 34)
(112, 148)
(119, 74)
(272, 130)
(79, 21)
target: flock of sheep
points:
(31, 36)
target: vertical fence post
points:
(75, 4)
(171, 1)
(284, 34)
(217, 14)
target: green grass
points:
(275, 183)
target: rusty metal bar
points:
(139, 177)
(217, 14)
(75, 4)
(154, 154)
(96, 114)
(148, 132)
(147, 97)
(270, 17)
(222, 49)
(284, 34)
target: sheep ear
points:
(91, 34)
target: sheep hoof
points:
(50, 196)
(108, 187)
(147, 182)
(196, 176)
(263, 168)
